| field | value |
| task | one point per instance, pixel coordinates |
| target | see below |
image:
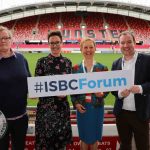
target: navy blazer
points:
(142, 77)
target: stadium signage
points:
(96, 33)
(79, 83)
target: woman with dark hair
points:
(52, 125)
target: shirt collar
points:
(51, 56)
(133, 58)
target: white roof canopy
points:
(6, 4)
(15, 9)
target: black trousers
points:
(129, 125)
(16, 132)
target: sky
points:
(6, 4)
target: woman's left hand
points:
(80, 108)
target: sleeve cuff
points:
(119, 94)
(141, 89)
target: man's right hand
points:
(125, 93)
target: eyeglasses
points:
(55, 43)
(5, 38)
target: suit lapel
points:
(137, 68)
(119, 66)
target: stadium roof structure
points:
(15, 9)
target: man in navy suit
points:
(132, 106)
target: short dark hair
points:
(55, 33)
(127, 33)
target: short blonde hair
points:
(2, 28)
(84, 40)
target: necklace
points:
(83, 66)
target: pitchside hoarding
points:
(110, 140)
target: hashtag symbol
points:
(38, 87)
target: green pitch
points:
(105, 59)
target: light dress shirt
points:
(129, 101)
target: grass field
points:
(106, 59)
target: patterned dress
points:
(52, 125)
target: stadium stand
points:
(37, 27)
(46, 23)
(94, 20)
(140, 28)
(31, 32)
(10, 24)
(23, 29)
(70, 21)
(116, 22)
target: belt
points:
(17, 117)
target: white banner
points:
(79, 83)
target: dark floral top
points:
(80, 98)
(52, 125)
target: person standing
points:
(90, 106)
(52, 125)
(132, 106)
(14, 71)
